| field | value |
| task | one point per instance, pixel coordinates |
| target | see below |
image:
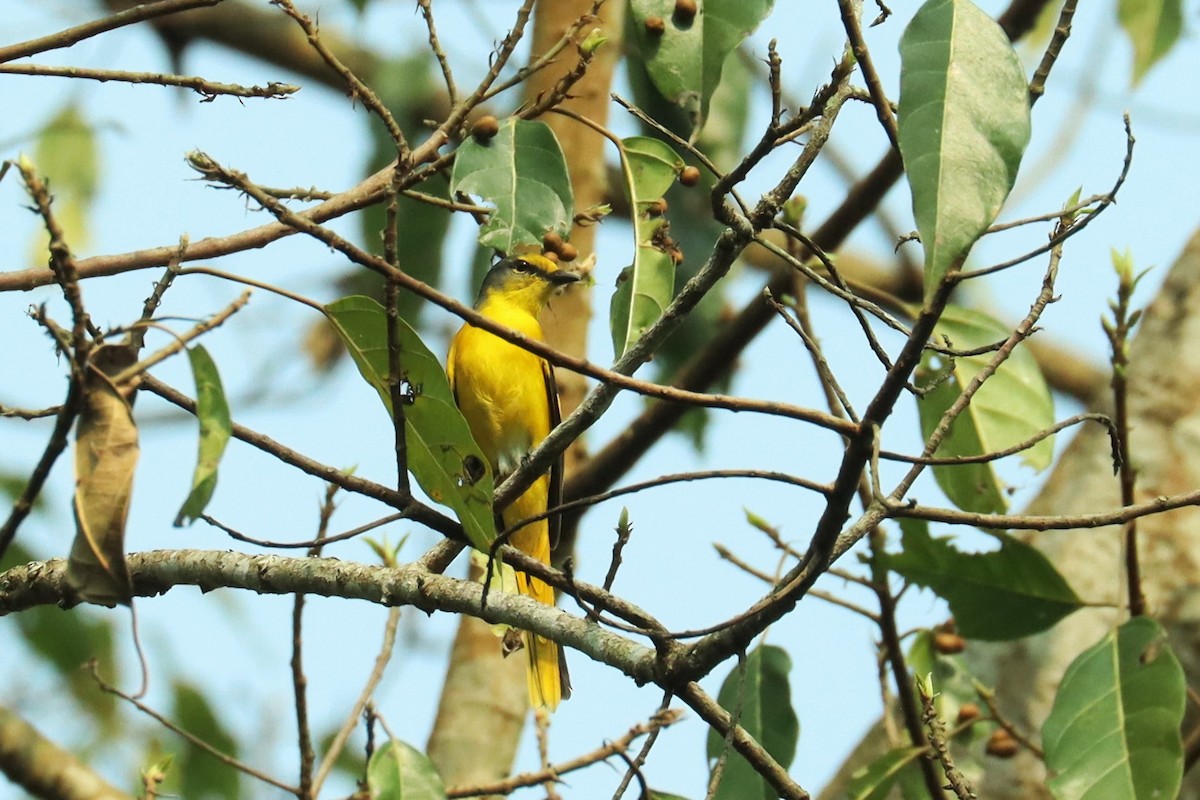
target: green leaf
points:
(66, 640)
(67, 157)
(645, 288)
(964, 124)
(1153, 28)
(523, 173)
(212, 412)
(685, 59)
(399, 772)
(875, 780)
(442, 456)
(1005, 594)
(761, 690)
(657, 795)
(203, 775)
(1113, 732)
(1012, 406)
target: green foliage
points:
(203, 775)
(68, 159)
(964, 124)
(684, 57)
(212, 412)
(66, 640)
(645, 288)
(1153, 28)
(442, 456)
(876, 780)
(523, 173)
(397, 771)
(761, 691)
(1113, 732)
(408, 89)
(1005, 594)
(1012, 406)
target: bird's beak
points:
(563, 278)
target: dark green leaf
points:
(684, 58)
(1153, 28)
(1012, 406)
(1005, 594)
(203, 775)
(212, 412)
(442, 456)
(400, 772)
(762, 692)
(875, 781)
(656, 795)
(1113, 732)
(964, 124)
(522, 172)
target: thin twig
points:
(209, 90)
(854, 33)
(194, 740)
(72, 36)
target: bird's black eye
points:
(520, 266)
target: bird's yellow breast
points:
(500, 388)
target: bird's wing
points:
(554, 497)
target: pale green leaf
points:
(1153, 28)
(397, 771)
(645, 288)
(964, 124)
(1011, 407)
(875, 780)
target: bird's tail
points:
(547, 673)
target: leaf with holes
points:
(684, 54)
(645, 288)
(523, 173)
(442, 456)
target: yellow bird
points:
(510, 401)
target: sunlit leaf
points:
(684, 56)
(212, 412)
(964, 124)
(67, 157)
(1011, 407)
(106, 455)
(762, 692)
(1153, 28)
(1005, 594)
(398, 771)
(1113, 733)
(442, 455)
(645, 288)
(522, 172)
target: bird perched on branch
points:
(510, 402)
